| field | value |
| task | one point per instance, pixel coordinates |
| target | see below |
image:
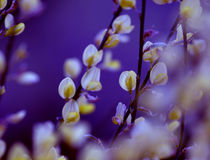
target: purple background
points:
(63, 30)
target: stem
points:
(8, 55)
(116, 14)
(173, 29)
(141, 43)
(185, 41)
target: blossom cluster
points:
(168, 116)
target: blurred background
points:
(63, 31)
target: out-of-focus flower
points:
(15, 30)
(91, 56)
(93, 152)
(3, 128)
(127, 4)
(18, 152)
(30, 7)
(21, 52)
(16, 117)
(179, 34)
(66, 88)
(70, 112)
(175, 113)
(119, 115)
(53, 155)
(127, 81)
(112, 41)
(122, 24)
(75, 135)
(2, 148)
(84, 106)
(190, 9)
(28, 78)
(43, 138)
(2, 62)
(151, 54)
(3, 4)
(91, 80)
(72, 67)
(158, 75)
(109, 64)
(163, 1)
(173, 126)
(9, 21)
(198, 46)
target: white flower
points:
(2, 148)
(70, 112)
(2, 62)
(198, 46)
(127, 80)
(127, 4)
(43, 138)
(28, 78)
(66, 88)
(109, 63)
(18, 151)
(16, 117)
(9, 21)
(158, 74)
(119, 115)
(72, 67)
(3, 4)
(91, 80)
(84, 106)
(91, 56)
(75, 135)
(122, 24)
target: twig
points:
(173, 29)
(185, 41)
(8, 55)
(116, 14)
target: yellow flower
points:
(119, 115)
(91, 56)
(15, 30)
(66, 88)
(70, 112)
(72, 67)
(91, 80)
(122, 24)
(127, 80)
(158, 75)
(3, 4)
(127, 4)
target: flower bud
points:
(127, 80)
(127, 4)
(15, 30)
(119, 115)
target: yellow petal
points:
(15, 30)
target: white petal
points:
(9, 21)
(72, 67)
(16, 117)
(127, 80)
(28, 78)
(66, 88)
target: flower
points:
(18, 152)
(122, 24)
(175, 114)
(163, 1)
(16, 117)
(127, 4)
(127, 80)
(9, 21)
(70, 112)
(158, 74)
(84, 106)
(119, 115)
(91, 80)
(2, 148)
(66, 88)
(3, 4)
(91, 56)
(15, 30)
(198, 46)
(109, 64)
(72, 67)
(28, 78)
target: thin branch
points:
(185, 41)
(116, 14)
(173, 29)
(8, 55)
(141, 43)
